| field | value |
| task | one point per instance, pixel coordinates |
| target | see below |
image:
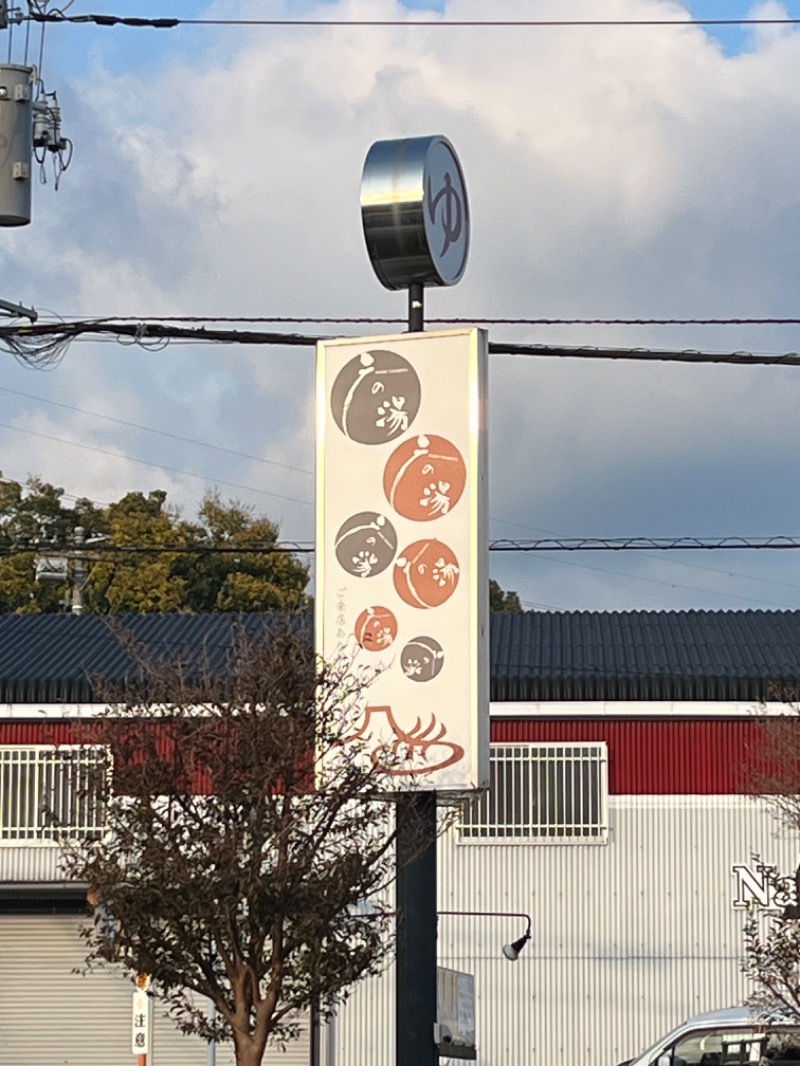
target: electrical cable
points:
(430, 23)
(159, 432)
(736, 575)
(590, 544)
(43, 345)
(667, 584)
(151, 462)
(499, 544)
(40, 68)
(472, 321)
(27, 41)
(616, 544)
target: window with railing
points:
(49, 793)
(541, 794)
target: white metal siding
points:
(628, 939)
(30, 863)
(52, 1017)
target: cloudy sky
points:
(614, 172)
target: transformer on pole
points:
(30, 132)
(16, 144)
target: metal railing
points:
(541, 794)
(47, 793)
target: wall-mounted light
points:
(510, 951)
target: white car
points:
(731, 1037)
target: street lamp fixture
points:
(510, 951)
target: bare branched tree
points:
(772, 934)
(242, 838)
(772, 950)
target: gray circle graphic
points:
(422, 659)
(365, 544)
(375, 397)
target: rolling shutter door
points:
(52, 1017)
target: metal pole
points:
(315, 1034)
(211, 1058)
(415, 1006)
(78, 572)
(330, 1044)
(416, 308)
(415, 887)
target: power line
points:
(667, 584)
(431, 23)
(374, 320)
(44, 344)
(159, 432)
(617, 544)
(152, 462)
(307, 548)
(592, 544)
(737, 575)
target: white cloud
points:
(612, 172)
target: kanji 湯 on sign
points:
(401, 546)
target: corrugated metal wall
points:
(656, 756)
(659, 756)
(50, 1016)
(49, 731)
(629, 938)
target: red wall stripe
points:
(654, 757)
(47, 731)
(658, 756)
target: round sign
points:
(415, 212)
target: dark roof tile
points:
(536, 656)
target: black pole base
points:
(416, 930)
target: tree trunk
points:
(248, 1053)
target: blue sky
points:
(734, 40)
(636, 173)
(72, 49)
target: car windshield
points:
(753, 1045)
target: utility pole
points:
(78, 572)
(16, 134)
(30, 131)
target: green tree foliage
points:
(500, 600)
(35, 521)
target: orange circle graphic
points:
(376, 628)
(424, 477)
(426, 573)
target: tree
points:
(242, 838)
(176, 564)
(772, 950)
(499, 600)
(772, 936)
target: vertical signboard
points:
(402, 576)
(141, 1023)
